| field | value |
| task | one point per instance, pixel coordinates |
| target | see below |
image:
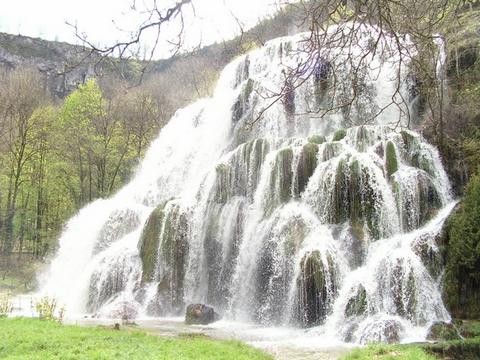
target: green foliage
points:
(317, 139)
(458, 349)
(54, 160)
(387, 352)
(462, 278)
(48, 309)
(33, 339)
(5, 305)
(471, 148)
(339, 135)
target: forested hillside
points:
(73, 127)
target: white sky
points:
(101, 20)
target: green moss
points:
(468, 328)
(306, 166)
(282, 177)
(391, 161)
(353, 198)
(458, 349)
(357, 305)
(254, 156)
(243, 102)
(433, 260)
(330, 150)
(149, 242)
(462, 275)
(316, 289)
(443, 331)
(339, 135)
(317, 139)
(408, 139)
(362, 138)
(173, 252)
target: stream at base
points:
(282, 343)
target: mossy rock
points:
(294, 233)
(316, 289)
(119, 223)
(353, 198)
(306, 166)
(404, 293)
(200, 314)
(254, 157)
(391, 160)
(357, 305)
(317, 139)
(408, 139)
(173, 255)
(242, 104)
(387, 331)
(282, 177)
(432, 260)
(223, 183)
(364, 138)
(149, 241)
(462, 270)
(330, 150)
(339, 135)
(443, 331)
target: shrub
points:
(5, 305)
(47, 309)
(462, 278)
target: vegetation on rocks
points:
(462, 277)
(149, 243)
(391, 159)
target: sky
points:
(104, 22)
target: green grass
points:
(467, 349)
(23, 338)
(387, 352)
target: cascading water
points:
(328, 222)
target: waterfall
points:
(294, 219)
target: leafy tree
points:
(463, 254)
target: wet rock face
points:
(383, 331)
(200, 314)
(127, 311)
(316, 289)
(357, 305)
(149, 243)
(441, 330)
(118, 224)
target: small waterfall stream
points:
(329, 222)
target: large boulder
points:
(387, 331)
(200, 314)
(125, 310)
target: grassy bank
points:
(23, 338)
(466, 349)
(387, 352)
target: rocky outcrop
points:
(200, 314)
(64, 66)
